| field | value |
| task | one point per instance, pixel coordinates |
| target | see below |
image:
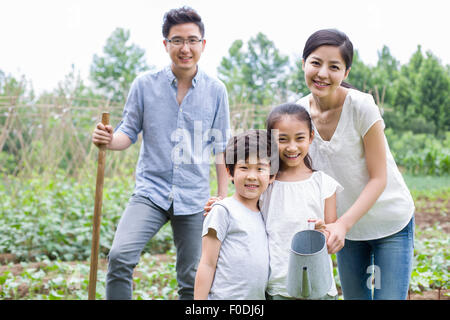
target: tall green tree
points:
(384, 75)
(230, 72)
(121, 62)
(404, 92)
(412, 68)
(257, 75)
(296, 80)
(360, 75)
(403, 95)
(433, 85)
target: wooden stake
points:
(97, 214)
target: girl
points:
(375, 210)
(297, 195)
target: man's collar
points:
(173, 79)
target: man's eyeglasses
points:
(180, 42)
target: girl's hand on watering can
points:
(336, 237)
(320, 225)
(209, 204)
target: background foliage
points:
(48, 163)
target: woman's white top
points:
(343, 158)
(286, 207)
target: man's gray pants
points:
(140, 221)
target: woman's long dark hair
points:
(297, 111)
(331, 37)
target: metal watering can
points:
(309, 265)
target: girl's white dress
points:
(286, 208)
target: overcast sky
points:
(42, 39)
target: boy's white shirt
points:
(242, 269)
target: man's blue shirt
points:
(174, 160)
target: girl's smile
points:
(294, 138)
(292, 156)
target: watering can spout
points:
(306, 285)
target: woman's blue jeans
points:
(377, 269)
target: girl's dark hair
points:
(331, 37)
(259, 143)
(179, 16)
(295, 110)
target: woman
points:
(374, 232)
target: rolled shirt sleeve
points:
(133, 113)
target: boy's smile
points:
(251, 179)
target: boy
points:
(172, 107)
(235, 259)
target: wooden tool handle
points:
(97, 214)
(105, 118)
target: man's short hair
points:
(179, 16)
(259, 143)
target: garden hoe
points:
(97, 214)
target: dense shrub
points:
(420, 153)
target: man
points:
(182, 113)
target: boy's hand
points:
(209, 204)
(102, 135)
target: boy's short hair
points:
(259, 143)
(179, 16)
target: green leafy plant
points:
(420, 154)
(53, 218)
(431, 268)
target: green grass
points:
(426, 183)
